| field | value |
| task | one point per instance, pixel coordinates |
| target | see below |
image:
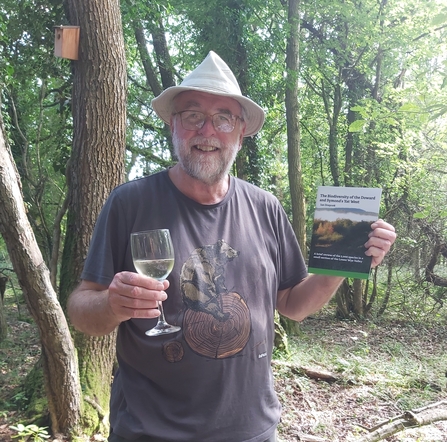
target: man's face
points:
(206, 154)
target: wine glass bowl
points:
(153, 255)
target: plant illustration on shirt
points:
(217, 321)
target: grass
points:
(18, 354)
(382, 369)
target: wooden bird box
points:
(66, 42)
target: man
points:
(236, 260)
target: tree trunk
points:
(332, 118)
(151, 75)
(3, 324)
(96, 167)
(293, 128)
(293, 138)
(349, 148)
(343, 296)
(57, 230)
(368, 303)
(150, 71)
(388, 291)
(59, 359)
(357, 297)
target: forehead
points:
(204, 102)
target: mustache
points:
(206, 141)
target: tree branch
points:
(413, 418)
(319, 375)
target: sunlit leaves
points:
(373, 74)
(440, 18)
(36, 106)
(357, 126)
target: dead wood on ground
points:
(312, 373)
(409, 419)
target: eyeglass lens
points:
(193, 120)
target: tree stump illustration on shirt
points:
(216, 323)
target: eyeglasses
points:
(222, 122)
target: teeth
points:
(206, 148)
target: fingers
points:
(381, 224)
(136, 296)
(380, 240)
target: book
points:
(342, 222)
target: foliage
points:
(371, 95)
(382, 368)
(30, 432)
(373, 82)
(35, 104)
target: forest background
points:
(354, 93)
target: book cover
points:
(342, 222)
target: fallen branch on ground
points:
(317, 374)
(414, 418)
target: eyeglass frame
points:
(228, 114)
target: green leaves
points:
(357, 126)
(440, 18)
(30, 433)
(410, 107)
(421, 215)
(429, 211)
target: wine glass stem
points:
(161, 318)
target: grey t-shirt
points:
(211, 381)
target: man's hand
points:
(380, 241)
(313, 292)
(132, 295)
(97, 310)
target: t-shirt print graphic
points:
(217, 321)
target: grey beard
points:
(202, 169)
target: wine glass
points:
(153, 255)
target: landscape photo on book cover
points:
(338, 240)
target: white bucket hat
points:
(212, 76)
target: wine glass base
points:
(162, 328)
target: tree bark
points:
(332, 118)
(164, 64)
(293, 137)
(151, 75)
(293, 128)
(357, 297)
(3, 324)
(162, 52)
(57, 230)
(96, 167)
(343, 297)
(60, 367)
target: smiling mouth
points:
(205, 148)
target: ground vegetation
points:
(335, 379)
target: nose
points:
(208, 127)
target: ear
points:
(241, 135)
(240, 144)
(241, 139)
(172, 124)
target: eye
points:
(223, 119)
(224, 122)
(192, 116)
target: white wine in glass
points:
(153, 255)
